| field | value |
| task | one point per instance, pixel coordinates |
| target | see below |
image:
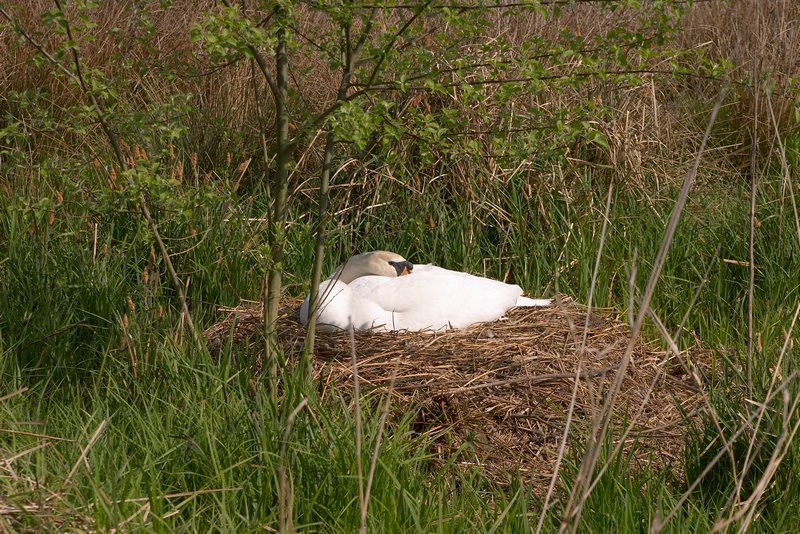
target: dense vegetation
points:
(145, 149)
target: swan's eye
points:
(402, 267)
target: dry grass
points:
(650, 126)
(500, 391)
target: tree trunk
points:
(280, 186)
(324, 195)
(319, 248)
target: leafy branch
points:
(78, 76)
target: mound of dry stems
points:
(501, 391)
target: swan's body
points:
(379, 291)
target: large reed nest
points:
(500, 392)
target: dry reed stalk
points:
(787, 173)
(658, 522)
(709, 409)
(584, 482)
(374, 461)
(10, 459)
(782, 447)
(562, 447)
(751, 238)
(358, 437)
(286, 523)
(750, 455)
(84, 451)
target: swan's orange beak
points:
(402, 268)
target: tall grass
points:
(95, 341)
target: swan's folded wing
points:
(432, 298)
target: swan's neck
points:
(348, 272)
(370, 263)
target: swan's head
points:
(378, 262)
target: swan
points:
(382, 291)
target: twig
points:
(261, 62)
(8, 461)
(13, 394)
(175, 495)
(538, 379)
(33, 434)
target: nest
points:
(499, 393)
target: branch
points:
(365, 31)
(262, 63)
(324, 197)
(393, 86)
(522, 59)
(317, 121)
(531, 5)
(394, 39)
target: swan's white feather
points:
(430, 298)
(526, 302)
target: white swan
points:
(383, 291)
